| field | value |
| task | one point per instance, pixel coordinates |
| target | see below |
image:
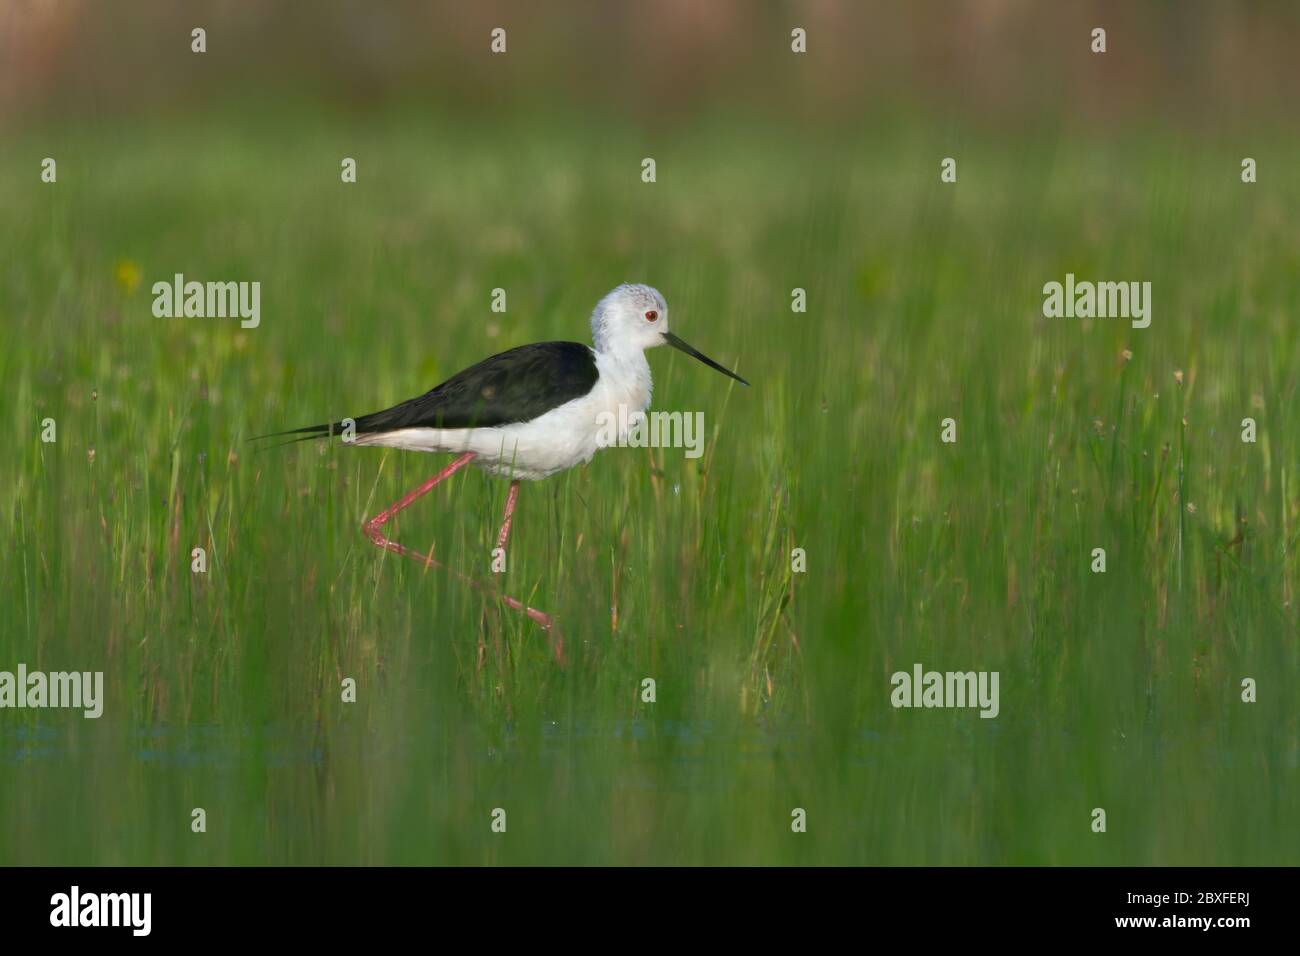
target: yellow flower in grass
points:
(127, 274)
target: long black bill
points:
(681, 346)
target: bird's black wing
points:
(514, 386)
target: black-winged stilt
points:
(527, 413)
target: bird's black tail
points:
(306, 433)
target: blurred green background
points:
(775, 171)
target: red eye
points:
(651, 315)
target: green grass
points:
(1119, 691)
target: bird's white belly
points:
(567, 435)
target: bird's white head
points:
(630, 317)
(633, 318)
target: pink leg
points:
(374, 532)
(373, 526)
(511, 497)
(503, 536)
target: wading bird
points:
(524, 414)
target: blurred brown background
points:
(1191, 62)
